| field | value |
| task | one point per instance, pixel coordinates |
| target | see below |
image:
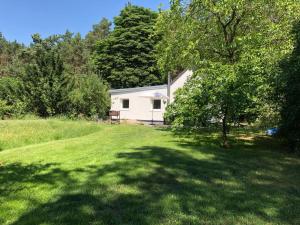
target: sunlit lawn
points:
(61, 172)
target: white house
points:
(146, 104)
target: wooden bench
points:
(114, 116)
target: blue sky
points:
(19, 19)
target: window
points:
(125, 103)
(156, 104)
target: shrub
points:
(11, 95)
(88, 97)
(5, 109)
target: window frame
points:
(153, 105)
(122, 102)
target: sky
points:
(19, 19)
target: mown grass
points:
(126, 174)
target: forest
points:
(245, 56)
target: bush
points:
(88, 97)
(5, 109)
(43, 82)
(13, 103)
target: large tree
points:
(43, 79)
(233, 47)
(9, 56)
(290, 93)
(99, 32)
(127, 57)
(74, 53)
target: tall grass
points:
(17, 133)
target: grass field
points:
(59, 172)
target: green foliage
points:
(44, 78)
(46, 81)
(99, 32)
(74, 53)
(233, 47)
(127, 57)
(290, 92)
(52, 85)
(88, 96)
(5, 109)
(11, 92)
(9, 56)
(10, 89)
(209, 95)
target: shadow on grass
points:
(157, 185)
(14, 177)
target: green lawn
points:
(58, 172)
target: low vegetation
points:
(127, 174)
(19, 133)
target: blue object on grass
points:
(272, 131)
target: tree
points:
(9, 56)
(233, 47)
(74, 53)
(11, 93)
(44, 78)
(99, 32)
(127, 57)
(88, 96)
(290, 92)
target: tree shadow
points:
(16, 176)
(192, 184)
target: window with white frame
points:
(125, 103)
(156, 104)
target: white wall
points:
(178, 83)
(140, 107)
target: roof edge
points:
(136, 89)
(179, 75)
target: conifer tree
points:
(44, 78)
(127, 57)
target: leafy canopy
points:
(88, 96)
(44, 78)
(233, 47)
(290, 93)
(127, 57)
(99, 32)
(56, 82)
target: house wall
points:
(179, 82)
(140, 107)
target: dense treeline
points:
(70, 75)
(53, 76)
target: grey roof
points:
(137, 89)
